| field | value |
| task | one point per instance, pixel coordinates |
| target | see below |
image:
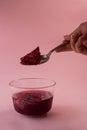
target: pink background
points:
(24, 25)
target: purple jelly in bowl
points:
(32, 96)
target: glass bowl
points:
(32, 96)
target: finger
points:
(72, 42)
(78, 45)
(84, 45)
(84, 50)
(84, 40)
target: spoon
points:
(46, 57)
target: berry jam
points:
(32, 102)
(32, 58)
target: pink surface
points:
(24, 25)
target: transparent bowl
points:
(32, 96)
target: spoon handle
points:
(62, 45)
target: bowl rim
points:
(11, 83)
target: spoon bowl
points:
(44, 58)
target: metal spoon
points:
(46, 57)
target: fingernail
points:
(72, 36)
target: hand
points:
(78, 40)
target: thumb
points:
(76, 33)
(67, 37)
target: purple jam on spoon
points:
(32, 58)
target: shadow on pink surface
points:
(57, 113)
(63, 112)
(60, 117)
